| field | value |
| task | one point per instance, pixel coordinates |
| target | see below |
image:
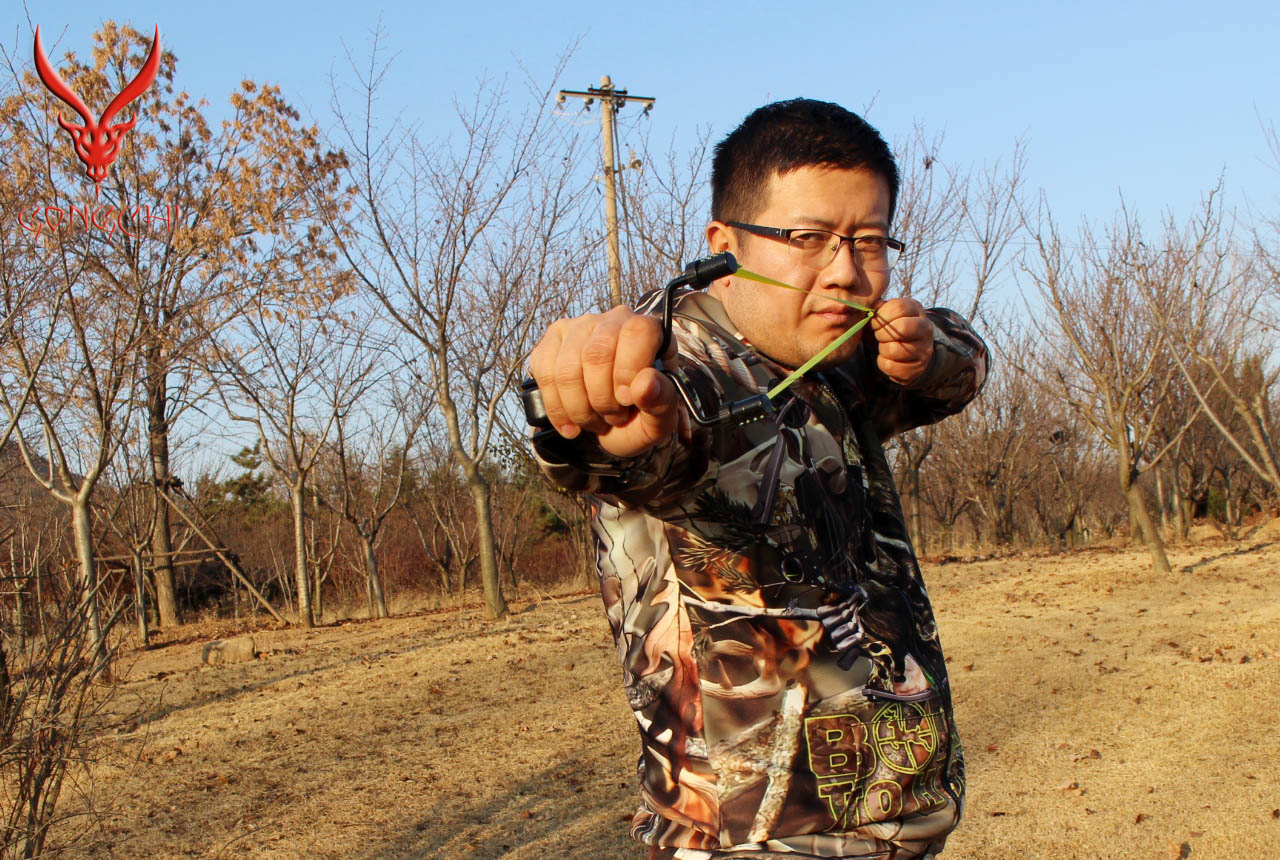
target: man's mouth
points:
(837, 313)
(838, 307)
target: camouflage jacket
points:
(778, 647)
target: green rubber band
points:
(827, 350)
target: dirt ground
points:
(1106, 712)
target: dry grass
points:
(1106, 713)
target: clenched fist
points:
(596, 375)
(903, 340)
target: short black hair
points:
(785, 136)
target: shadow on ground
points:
(564, 811)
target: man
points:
(778, 647)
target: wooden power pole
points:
(611, 100)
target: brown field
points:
(1106, 713)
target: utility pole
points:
(611, 100)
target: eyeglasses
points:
(817, 248)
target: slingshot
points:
(699, 274)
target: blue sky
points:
(1150, 100)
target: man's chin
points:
(839, 355)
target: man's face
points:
(788, 326)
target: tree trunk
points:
(19, 595)
(590, 576)
(1177, 502)
(1139, 514)
(317, 596)
(83, 533)
(495, 603)
(914, 529)
(300, 573)
(1164, 508)
(140, 593)
(161, 537)
(377, 601)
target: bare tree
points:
(437, 503)
(218, 213)
(128, 510)
(466, 245)
(67, 368)
(1104, 354)
(1073, 466)
(993, 450)
(961, 229)
(52, 719)
(1219, 331)
(370, 454)
(665, 209)
(289, 376)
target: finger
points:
(891, 309)
(659, 417)
(638, 343)
(905, 330)
(914, 349)
(901, 372)
(542, 362)
(658, 404)
(598, 357)
(891, 312)
(576, 406)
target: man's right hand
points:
(596, 375)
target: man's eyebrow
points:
(830, 225)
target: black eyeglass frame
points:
(784, 233)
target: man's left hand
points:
(903, 340)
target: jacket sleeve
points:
(955, 375)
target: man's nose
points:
(844, 270)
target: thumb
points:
(658, 404)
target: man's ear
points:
(721, 237)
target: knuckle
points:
(567, 370)
(599, 349)
(539, 357)
(566, 376)
(557, 330)
(603, 405)
(640, 324)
